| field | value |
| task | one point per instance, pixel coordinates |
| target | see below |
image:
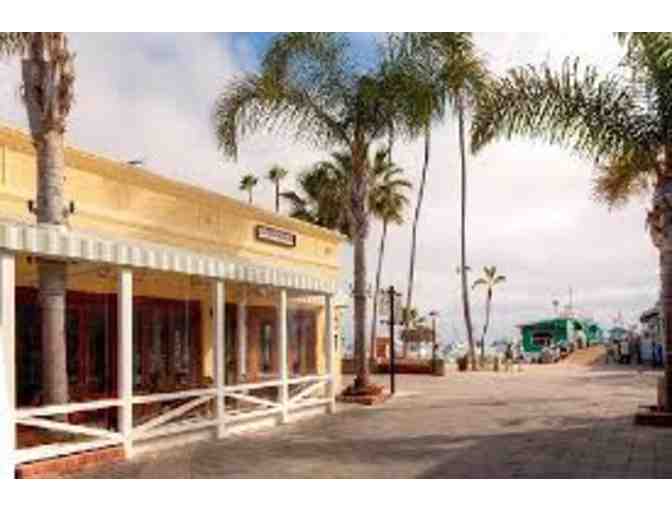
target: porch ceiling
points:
(65, 244)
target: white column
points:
(7, 368)
(284, 372)
(219, 349)
(242, 335)
(125, 358)
(330, 350)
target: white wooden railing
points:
(293, 393)
(38, 417)
(168, 423)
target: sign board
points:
(275, 236)
(384, 307)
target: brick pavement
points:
(549, 421)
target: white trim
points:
(330, 339)
(176, 428)
(67, 244)
(125, 363)
(309, 378)
(284, 368)
(177, 395)
(219, 350)
(71, 429)
(141, 430)
(29, 412)
(306, 392)
(252, 386)
(47, 451)
(7, 365)
(254, 400)
(233, 416)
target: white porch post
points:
(125, 363)
(284, 372)
(219, 343)
(331, 365)
(242, 336)
(7, 368)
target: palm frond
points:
(15, 43)
(597, 117)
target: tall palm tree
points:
(308, 86)
(388, 203)
(489, 279)
(247, 184)
(449, 76)
(276, 175)
(324, 189)
(48, 89)
(622, 123)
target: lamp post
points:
(434, 314)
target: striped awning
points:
(66, 244)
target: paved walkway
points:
(549, 421)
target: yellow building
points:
(189, 314)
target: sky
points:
(529, 207)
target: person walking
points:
(625, 351)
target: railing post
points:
(125, 363)
(7, 368)
(242, 336)
(284, 372)
(219, 343)
(330, 350)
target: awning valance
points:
(63, 243)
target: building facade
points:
(189, 314)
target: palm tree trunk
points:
(249, 197)
(463, 242)
(379, 272)
(52, 275)
(666, 299)
(488, 300)
(360, 227)
(416, 219)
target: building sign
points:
(275, 236)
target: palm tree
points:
(247, 184)
(48, 90)
(489, 280)
(388, 202)
(324, 189)
(448, 75)
(309, 87)
(275, 175)
(621, 123)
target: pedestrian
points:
(638, 349)
(508, 357)
(625, 351)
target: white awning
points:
(63, 243)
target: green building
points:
(558, 332)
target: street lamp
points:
(434, 315)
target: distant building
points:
(558, 332)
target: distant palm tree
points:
(247, 183)
(309, 87)
(489, 280)
(48, 92)
(449, 76)
(275, 175)
(622, 123)
(388, 203)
